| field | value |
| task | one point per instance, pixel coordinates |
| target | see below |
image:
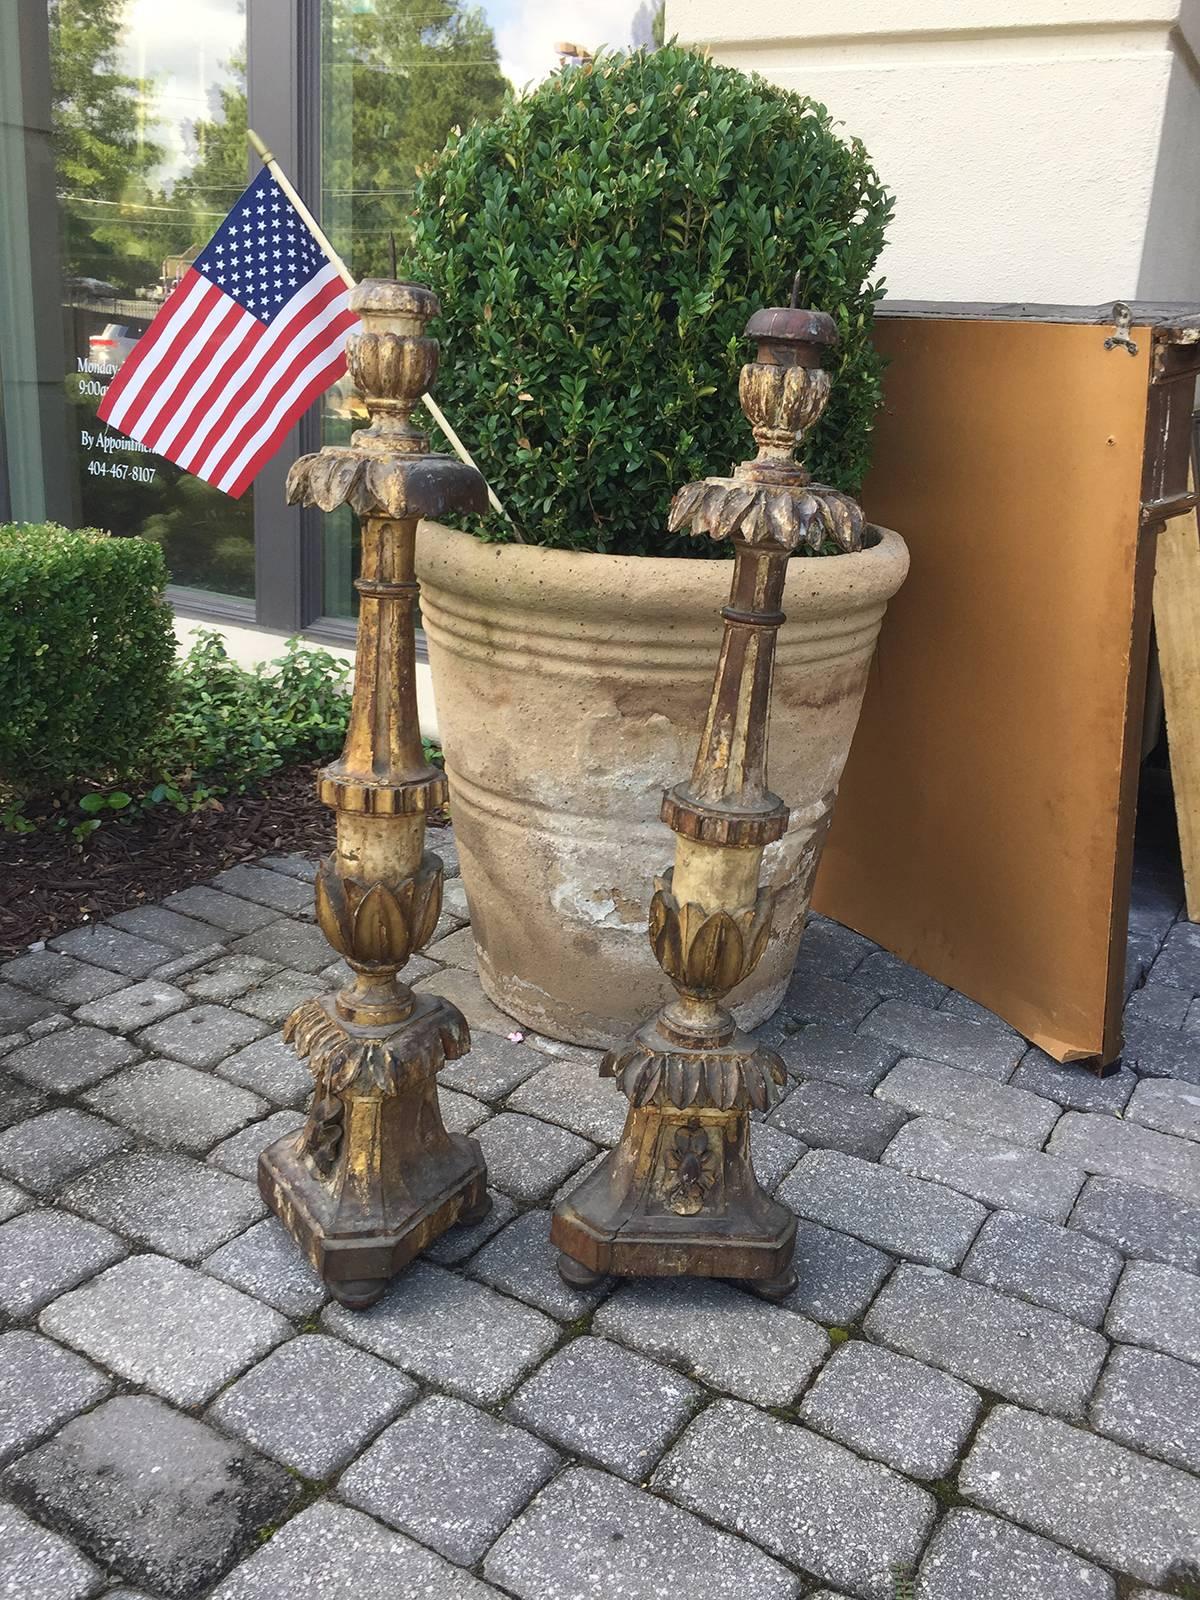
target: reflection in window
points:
(148, 120)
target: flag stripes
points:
(252, 334)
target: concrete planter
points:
(570, 691)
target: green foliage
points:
(599, 248)
(231, 727)
(401, 75)
(86, 651)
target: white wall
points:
(1041, 150)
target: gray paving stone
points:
(50, 1024)
(167, 1202)
(225, 911)
(461, 1242)
(334, 1553)
(1052, 1266)
(492, 1068)
(574, 1095)
(41, 1386)
(192, 961)
(931, 1088)
(590, 1537)
(464, 990)
(1178, 963)
(12, 1200)
(43, 1253)
(1072, 1085)
(36, 1564)
(1023, 1352)
(1167, 1106)
(165, 1326)
(528, 1158)
(837, 1276)
(270, 1068)
(461, 1113)
(773, 1154)
(521, 1262)
(61, 978)
(347, 1397)
(1140, 1222)
(454, 901)
(938, 1036)
(887, 975)
(991, 1170)
(458, 1335)
(298, 945)
(44, 1152)
(564, 1050)
(1135, 1515)
(827, 1116)
(229, 976)
(274, 889)
(901, 1412)
(173, 1105)
(65, 1062)
(449, 1475)
(293, 864)
(18, 1101)
(266, 1263)
(828, 946)
(202, 1036)
(102, 945)
(812, 997)
(1159, 1306)
(456, 949)
(1165, 1053)
(1150, 1402)
(159, 925)
(135, 1007)
(977, 1556)
(1157, 1004)
(958, 1005)
(835, 1057)
(18, 1008)
(160, 1498)
(276, 997)
(595, 1399)
(1118, 1149)
(883, 1207)
(725, 1337)
(854, 1523)
(240, 1154)
(565, 1190)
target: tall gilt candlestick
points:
(373, 1176)
(678, 1194)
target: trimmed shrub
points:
(86, 654)
(599, 249)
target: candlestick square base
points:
(373, 1177)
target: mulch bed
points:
(49, 884)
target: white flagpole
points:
(430, 404)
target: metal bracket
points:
(1122, 320)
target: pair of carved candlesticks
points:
(373, 1176)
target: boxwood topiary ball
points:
(598, 250)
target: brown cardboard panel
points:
(980, 832)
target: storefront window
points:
(396, 76)
(142, 107)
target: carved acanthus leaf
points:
(707, 953)
(341, 1059)
(719, 1078)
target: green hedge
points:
(598, 249)
(86, 655)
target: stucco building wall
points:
(1042, 150)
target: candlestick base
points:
(677, 1196)
(373, 1177)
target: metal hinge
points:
(1122, 321)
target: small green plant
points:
(86, 654)
(598, 249)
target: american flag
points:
(249, 337)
